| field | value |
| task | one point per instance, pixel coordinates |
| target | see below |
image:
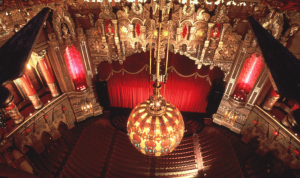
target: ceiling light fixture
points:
(155, 127)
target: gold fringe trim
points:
(123, 70)
(172, 69)
(194, 74)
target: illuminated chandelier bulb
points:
(217, 2)
(193, 2)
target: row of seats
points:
(218, 156)
(179, 163)
(89, 154)
(126, 160)
(50, 160)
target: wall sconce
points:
(28, 66)
(255, 122)
(155, 32)
(124, 30)
(275, 133)
(86, 106)
(199, 33)
(165, 32)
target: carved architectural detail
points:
(63, 24)
(283, 144)
(221, 15)
(274, 23)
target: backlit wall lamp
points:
(255, 122)
(276, 134)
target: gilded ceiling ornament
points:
(166, 9)
(227, 52)
(236, 22)
(273, 23)
(202, 15)
(97, 46)
(137, 9)
(123, 13)
(65, 31)
(106, 11)
(91, 17)
(60, 16)
(2, 25)
(188, 10)
(221, 15)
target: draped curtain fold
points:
(186, 88)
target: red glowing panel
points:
(250, 73)
(109, 25)
(75, 66)
(12, 106)
(138, 29)
(275, 133)
(255, 122)
(184, 32)
(297, 152)
(216, 29)
(274, 93)
(295, 107)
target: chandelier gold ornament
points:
(155, 127)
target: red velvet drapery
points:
(187, 93)
(128, 90)
(128, 84)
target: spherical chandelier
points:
(155, 127)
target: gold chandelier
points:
(155, 127)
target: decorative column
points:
(103, 30)
(88, 64)
(130, 31)
(206, 44)
(225, 26)
(10, 107)
(117, 40)
(47, 73)
(143, 30)
(30, 91)
(271, 100)
(179, 34)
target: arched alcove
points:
(46, 139)
(62, 128)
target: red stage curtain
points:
(128, 84)
(128, 90)
(187, 93)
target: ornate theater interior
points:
(150, 88)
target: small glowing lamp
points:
(165, 32)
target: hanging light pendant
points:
(155, 127)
